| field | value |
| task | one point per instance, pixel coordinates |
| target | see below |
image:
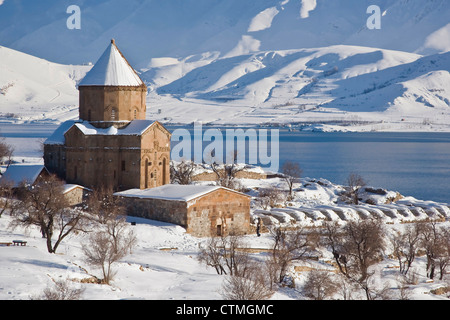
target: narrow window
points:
(113, 114)
(123, 165)
(164, 172)
(135, 114)
(146, 173)
(219, 229)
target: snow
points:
(135, 127)
(111, 69)
(171, 192)
(307, 6)
(263, 20)
(163, 265)
(16, 174)
(57, 136)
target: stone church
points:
(112, 144)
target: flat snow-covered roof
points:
(173, 192)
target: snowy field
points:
(163, 265)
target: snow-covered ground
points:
(163, 265)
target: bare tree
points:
(44, 205)
(6, 196)
(102, 251)
(430, 243)
(226, 253)
(291, 173)
(109, 212)
(270, 197)
(255, 285)
(226, 173)
(320, 285)
(6, 152)
(444, 252)
(405, 245)
(354, 183)
(288, 245)
(356, 247)
(182, 172)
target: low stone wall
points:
(211, 176)
(157, 209)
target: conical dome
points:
(112, 69)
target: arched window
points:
(146, 173)
(164, 171)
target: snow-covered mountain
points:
(178, 28)
(243, 62)
(36, 89)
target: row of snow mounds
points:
(402, 211)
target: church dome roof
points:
(112, 69)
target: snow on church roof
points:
(173, 192)
(112, 69)
(135, 127)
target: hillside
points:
(239, 62)
(376, 89)
(177, 29)
(36, 89)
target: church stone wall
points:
(155, 157)
(112, 103)
(95, 160)
(218, 212)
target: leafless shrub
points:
(182, 172)
(320, 285)
(226, 254)
(6, 152)
(226, 173)
(102, 250)
(270, 197)
(291, 173)
(255, 285)
(354, 183)
(62, 290)
(6, 196)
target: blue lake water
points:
(414, 164)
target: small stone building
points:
(75, 194)
(202, 210)
(112, 144)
